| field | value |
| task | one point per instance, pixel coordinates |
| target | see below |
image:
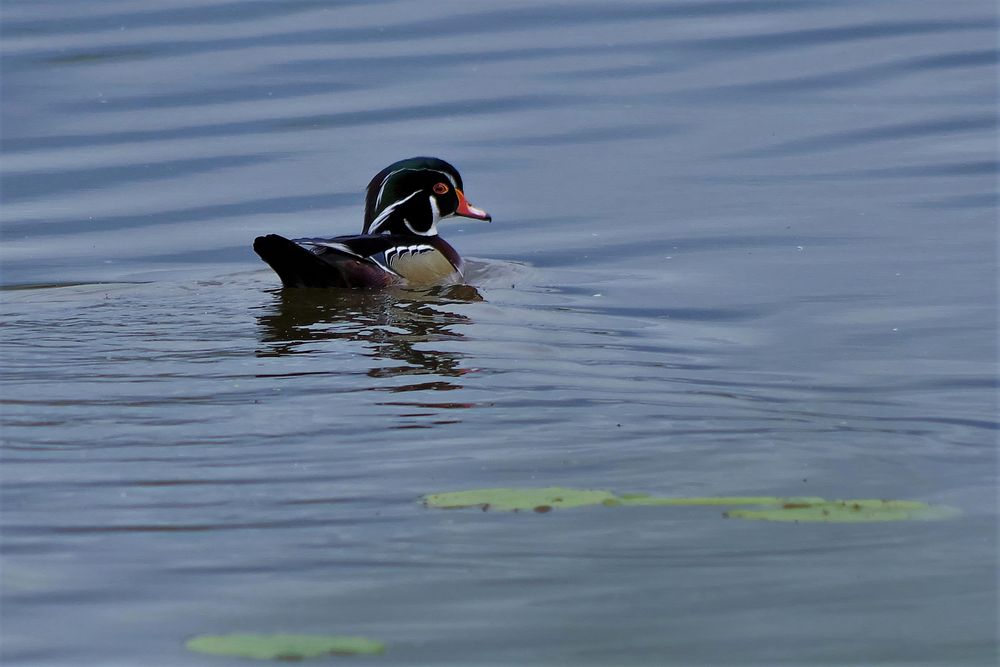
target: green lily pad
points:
(282, 647)
(709, 501)
(848, 511)
(506, 500)
(765, 508)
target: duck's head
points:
(411, 196)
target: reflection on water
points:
(394, 325)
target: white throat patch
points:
(435, 218)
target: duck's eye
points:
(440, 188)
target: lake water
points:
(740, 247)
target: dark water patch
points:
(984, 200)
(210, 97)
(855, 77)
(474, 22)
(596, 73)
(67, 596)
(957, 170)
(269, 205)
(658, 54)
(731, 314)
(97, 57)
(583, 136)
(203, 14)
(961, 59)
(450, 108)
(827, 36)
(320, 501)
(961, 169)
(220, 482)
(454, 108)
(179, 527)
(45, 286)
(952, 421)
(27, 186)
(611, 250)
(892, 132)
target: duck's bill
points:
(467, 210)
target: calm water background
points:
(740, 247)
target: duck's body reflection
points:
(394, 324)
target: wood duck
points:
(399, 243)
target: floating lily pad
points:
(765, 508)
(847, 511)
(282, 647)
(708, 501)
(506, 500)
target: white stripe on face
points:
(384, 215)
(385, 181)
(381, 190)
(435, 212)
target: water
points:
(739, 247)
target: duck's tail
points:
(297, 267)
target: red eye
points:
(440, 188)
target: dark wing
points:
(361, 246)
(326, 264)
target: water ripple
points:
(185, 443)
(892, 132)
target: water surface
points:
(740, 248)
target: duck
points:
(399, 243)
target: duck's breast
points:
(423, 263)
